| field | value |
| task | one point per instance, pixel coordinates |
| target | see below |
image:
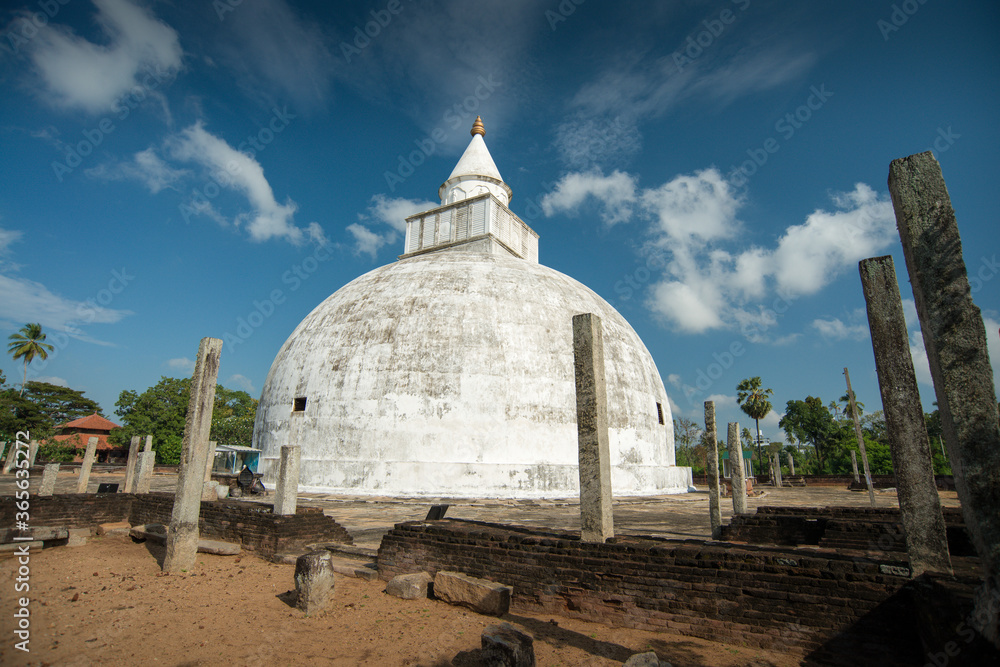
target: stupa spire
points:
(476, 173)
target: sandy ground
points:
(107, 603)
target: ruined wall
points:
(757, 596)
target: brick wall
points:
(758, 596)
(251, 524)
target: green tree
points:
(810, 422)
(846, 400)
(27, 344)
(161, 411)
(688, 444)
(60, 404)
(754, 401)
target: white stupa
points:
(450, 371)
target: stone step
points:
(353, 551)
(158, 533)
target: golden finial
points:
(477, 128)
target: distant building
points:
(450, 371)
(79, 431)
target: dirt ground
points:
(107, 603)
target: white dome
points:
(451, 374)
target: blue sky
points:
(715, 170)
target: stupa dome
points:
(450, 373)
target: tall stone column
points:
(144, 472)
(776, 463)
(49, 475)
(210, 459)
(149, 444)
(854, 467)
(791, 464)
(714, 510)
(182, 533)
(133, 455)
(8, 462)
(32, 452)
(596, 516)
(955, 340)
(88, 463)
(919, 503)
(739, 478)
(287, 490)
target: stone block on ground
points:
(506, 646)
(77, 537)
(313, 581)
(480, 595)
(409, 586)
(218, 547)
(149, 531)
(648, 659)
(113, 528)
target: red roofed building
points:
(79, 431)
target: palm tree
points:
(846, 400)
(753, 400)
(28, 343)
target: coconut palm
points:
(846, 400)
(753, 400)
(27, 344)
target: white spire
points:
(475, 173)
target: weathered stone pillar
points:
(144, 472)
(210, 460)
(596, 516)
(49, 474)
(32, 452)
(776, 463)
(88, 463)
(919, 503)
(149, 444)
(955, 340)
(854, 467)
(860, 437)
(791, 464)
(287, 491)
(3, 449)
(133, 455)
(182, 533)
(8, 462)
(739, 478)
(314, 581)
(714, 510)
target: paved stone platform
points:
(368, 518)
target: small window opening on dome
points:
(659, 412)
(299, 405)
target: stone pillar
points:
(144, 472)
(3, 448)
(8, 462)
(49, 475)
(776, 462)
(861, 438)
(133, 453)
(314, 581)
(596, 516)
(288, 480)
(182, 533)
(210, 461)
(955, 340)
(714, 510)
(88, 463)
(32, 452)
(791, 464)
(149, 444)
(854, 467)
(919, 503)
(739, 478)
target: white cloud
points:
(724, 402)
(395, 211)
(23, 300)
(80, 74)
(813, 253)
(51, 379)
(674, 380)
(242, 173)
(147, 167)
(241, 382)
(181, 364)
(615, 192)
(366, 241)
(701, 206)
(835, 329)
